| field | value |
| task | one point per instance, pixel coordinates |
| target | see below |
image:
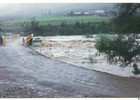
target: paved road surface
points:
(26, 73)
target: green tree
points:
(125, 46)
(33, 27)
(128, 18)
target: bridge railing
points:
(28, 40)
(13, 37)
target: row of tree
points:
(68, 29)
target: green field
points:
(69, 20)
(57, 20)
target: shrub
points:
(136, 70)
(120, 48)
(92, 58)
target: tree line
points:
(67, 29)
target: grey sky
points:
(26, 8)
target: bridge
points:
(27, 73)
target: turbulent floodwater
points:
(79, 51)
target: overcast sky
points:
(26, 8)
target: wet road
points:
(26, 73)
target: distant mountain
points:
(34, 9)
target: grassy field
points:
(69, 20)
(57, 20)
(13, 24)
